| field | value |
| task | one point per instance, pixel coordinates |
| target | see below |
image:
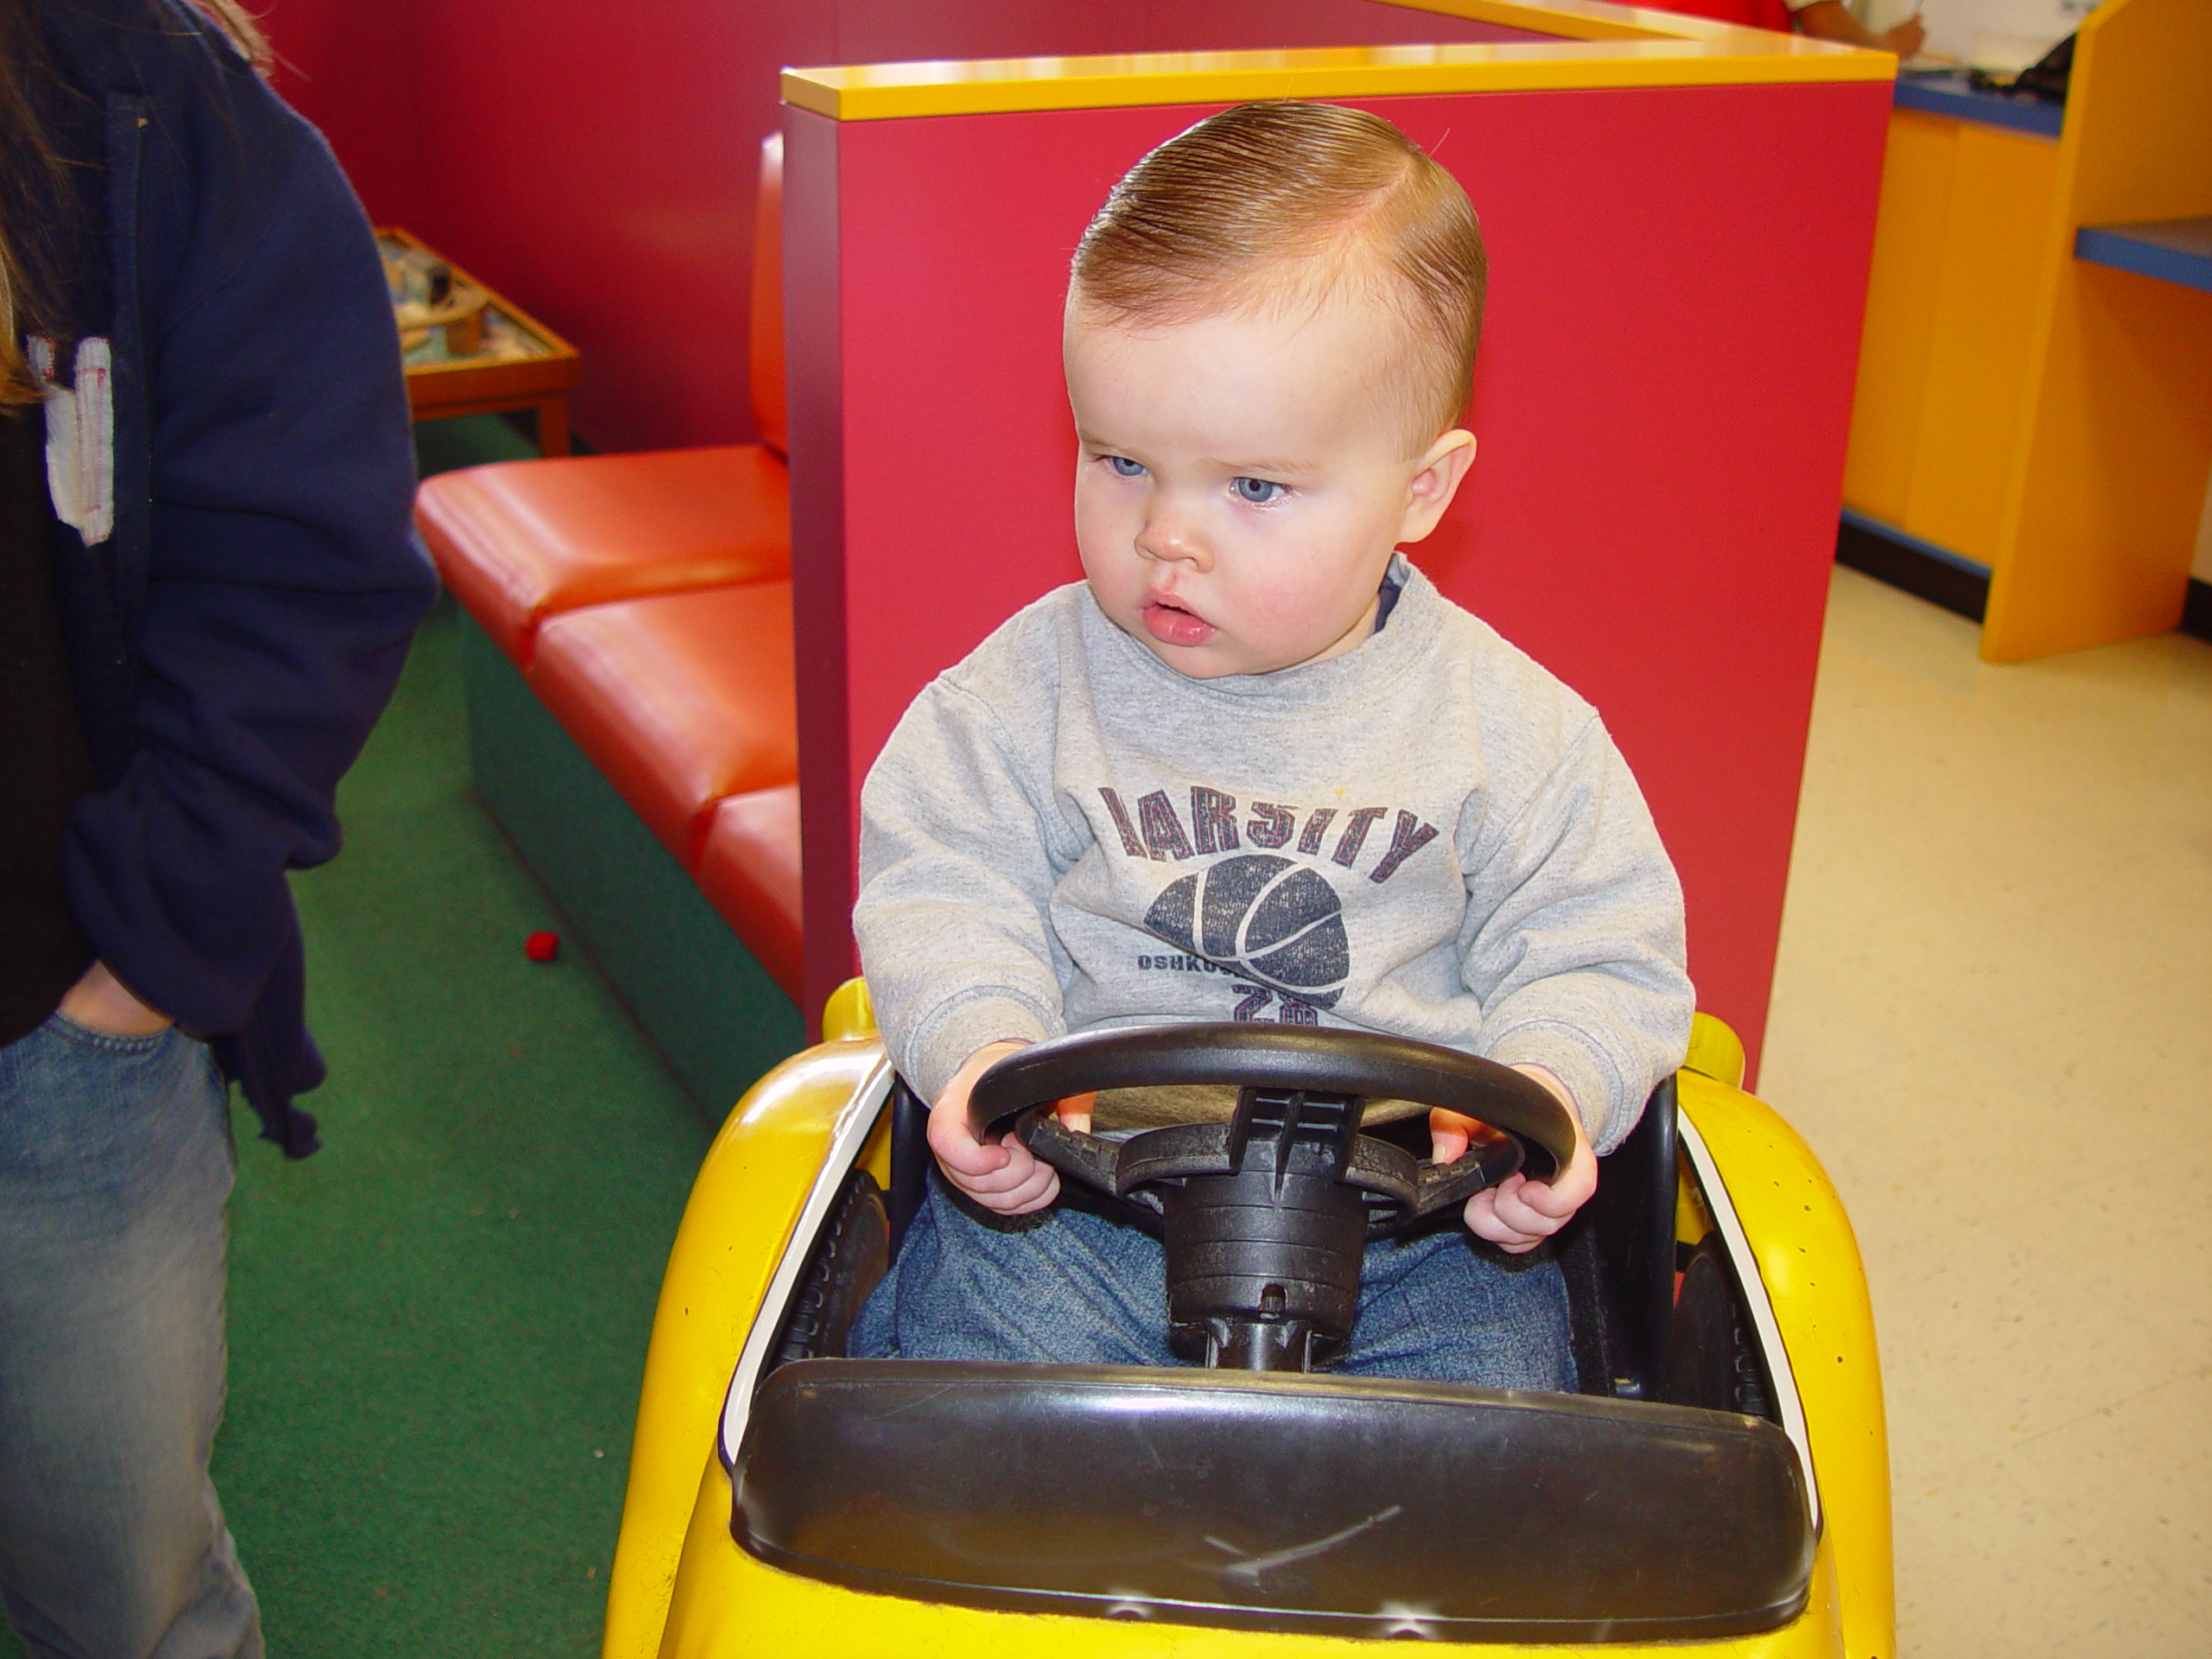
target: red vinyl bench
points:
(520, 541)
(681, 699)
(646, 600)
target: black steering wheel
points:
(1266, 1215)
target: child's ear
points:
(1437, 480)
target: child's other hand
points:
(1005, 1177)
(1519, 1214)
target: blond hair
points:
(243, 28)
(1268, 204)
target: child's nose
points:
(1172, 539)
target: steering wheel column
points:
(1263, 1260)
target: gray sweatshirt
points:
(1428, 836)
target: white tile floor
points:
(1992, 1018)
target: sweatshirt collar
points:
(1359, 674)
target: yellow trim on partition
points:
(1600, 46)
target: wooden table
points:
(522, 363)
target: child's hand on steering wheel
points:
(1518, 1214)
(1005, 1177)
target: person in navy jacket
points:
(208, 586)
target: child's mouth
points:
(1174, 626)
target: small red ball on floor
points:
(542, 947)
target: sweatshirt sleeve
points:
(1580, 964)
(955, 880)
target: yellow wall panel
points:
(2114, 477)
(1901, 295)
(1983, 329)
(2107, 485)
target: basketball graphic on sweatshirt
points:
(1262, 915)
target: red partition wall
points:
(1661, 402)
(595, 158)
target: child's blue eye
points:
(1256, 492)
(1124, 467)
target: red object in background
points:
(1754, 14)
(542, 947)
(595, 158)
(1662, 401)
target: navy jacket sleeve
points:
(281, 579)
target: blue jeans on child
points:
(116, 1163)
(1072, 1286)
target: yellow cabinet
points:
(2044, 418)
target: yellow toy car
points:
(1721, 1478)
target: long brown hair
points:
(35, 234)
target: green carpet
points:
(438, 1323)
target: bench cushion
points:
(680, 699)
(749, 870)
(520, 540)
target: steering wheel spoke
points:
(1490, 1158)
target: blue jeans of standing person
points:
(116, 1163)
(1074, 1286)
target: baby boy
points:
(1256, 767)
